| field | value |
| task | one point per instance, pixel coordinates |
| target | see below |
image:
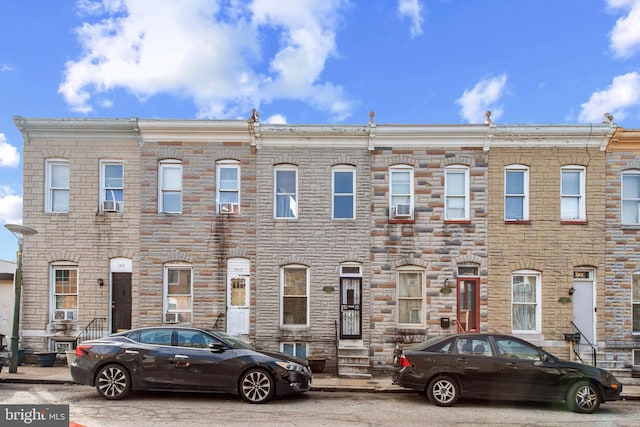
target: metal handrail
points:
(594, 351)
(95, 329)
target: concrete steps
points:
(353, 360)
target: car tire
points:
(256, 386)
(113, 382)
(443, 391)
(583, 397)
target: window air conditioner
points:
(228, 208)
(111, 206)
(64, 315)
(171, 318)
(402, 211)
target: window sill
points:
(517, 221)
(574, 222)
(402, 221)
(457, 221)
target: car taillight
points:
(404, 361)
(80, 350)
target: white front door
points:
(238, 291)
(584, 308)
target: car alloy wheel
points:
(443, 391)
(113, 382)
(583, 397)
(256, 386)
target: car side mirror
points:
(216, 347)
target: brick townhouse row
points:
(336, 241)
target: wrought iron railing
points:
(594, 351)
(95, 329)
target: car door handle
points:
(463, 360)
(130, 352)
(181, 360)
(181, 356)
(512, 365)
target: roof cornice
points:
(277, 135)
(94, 129)
(625, 140)
(430, 135)
(551, 135)
(194, 130)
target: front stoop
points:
(353, 360)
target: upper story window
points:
(343, 184)
(286, 192)
(64, 292)
(635, 301)
(411, 301)
(631, 197)
(57, 182)
(112, 186)
(516, 193)
(525, 301)
(178, 293)
(572, 203)
(228, 189)
(295, 295)
(456, 192)
(170, 187)
(401, 192)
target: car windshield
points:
(232, 341)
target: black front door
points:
(350, 308)
(120, 301)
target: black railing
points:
(594, 352)
(95, 329)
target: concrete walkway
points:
(60, 374)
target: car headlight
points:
(291, 366)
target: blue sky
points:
(313, 61)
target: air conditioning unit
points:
(228, 208)
(64, 315)
(171, 318)
(402, 211)
(111, 206)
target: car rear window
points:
(155, 336)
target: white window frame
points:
(283, 296)
(422, 298)
(580, 196)
(277, 193)
(457, 195)
(184, 314)
(231, 192)
(538, 298)
(105, 190)
(343, 195)
(400, 198)
(164, 189)
(635, 302)
(523, 197)
(59, 189)
(72, 310)
(296, 346)
(632, 202)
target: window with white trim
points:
(401, 192)
(344, 197)
(635, 301)
(525, 301)
(57, 181)
(572, 196)
(64, 292)
(631, 197)
(456, 193)
(111, 186)
(411, 301)
(294, 281)
(228, 188)
(286, 191)
(178, 291)
(295, 349)
(516, 193)
(170, 186)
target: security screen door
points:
(350, 308)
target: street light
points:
(19, 231)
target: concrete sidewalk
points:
(60, 374)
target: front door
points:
(350, 308)
(468, 302)
(584, 308)
(120, 301)
(238, 296)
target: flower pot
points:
(46, 359)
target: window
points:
(170, 186)
(516, 197)
(57, 197)
(295, 289)
(401, 192)
(512, 349)
(477, 346)
(295, 349)
(631, 197)
(112, 186)
(228, 189)
(178, 291)
(525, 308)
(411, 297)
(635, 279)
(456, 192)
(65, 293)
(344, 193)
(194, 339)
(572, 204)
(286, 192)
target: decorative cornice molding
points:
(90, 129)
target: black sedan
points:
(186, 359)
(500, 367)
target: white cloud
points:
(484, 96)
(209, 51)
(625, 35)
(276, 119)
(412, 9)
(10, 206)
(6, 67)
(618, 99)
(9, 156)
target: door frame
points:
(346, 307)
(119, 265)
(463, 281)
(579, 283)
